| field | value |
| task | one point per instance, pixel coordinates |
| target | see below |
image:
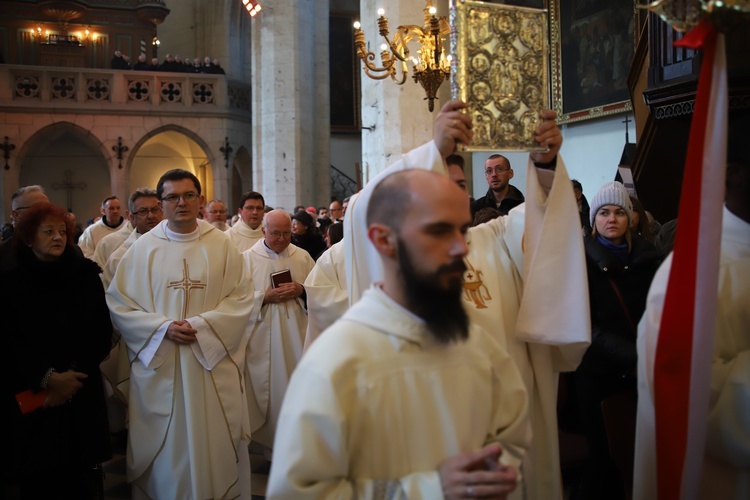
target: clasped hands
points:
(283, 292)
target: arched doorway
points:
(164, 151)
(67, 161)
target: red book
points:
(280, 277)
(29, 401)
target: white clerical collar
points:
(379, 290)
(246, 229)
(181, 237)
(281, 255)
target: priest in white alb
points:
(277, 330)
(181, 300)
(112, 242)
(516, 267)
(110, 222)
(247, 230)
(403, 397)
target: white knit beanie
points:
(612, 193)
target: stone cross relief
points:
(69, 185)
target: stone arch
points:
(53, 151)
(167, 147)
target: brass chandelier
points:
(431, 65)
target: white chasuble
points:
(377, 404)
(187, 403)
(243, 236)
(277, 334)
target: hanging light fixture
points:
(252, 6)
(430, 66)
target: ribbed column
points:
(291, 125)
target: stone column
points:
(395, 118)
(291, 124)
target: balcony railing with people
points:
(121, 91)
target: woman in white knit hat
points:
(621, 265)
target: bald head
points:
(398, 193)
(277, 230)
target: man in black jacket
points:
(501, 195)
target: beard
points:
(439, 306)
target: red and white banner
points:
(682, 367)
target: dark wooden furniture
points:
(663, 82)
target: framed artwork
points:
(344, 74)
(500, 69)
(593, 42)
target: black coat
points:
(55, 316)
(312, 241)
(511, 200)
(612, 351)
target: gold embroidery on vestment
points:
(185, 284)
(474, 288)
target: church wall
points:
(593, 150)
(177, 32)
(238, 60)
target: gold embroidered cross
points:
(185, 284)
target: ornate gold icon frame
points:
(501, 69)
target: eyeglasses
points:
(496, 170)
(173, 199)
(145, 211)
(214, 212)
(279, 234)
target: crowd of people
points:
(406, 342)
(173, 64)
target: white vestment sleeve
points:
(155, 351)
(554, 274)
(208, 349)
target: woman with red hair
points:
(57, 332)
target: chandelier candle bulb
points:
(431, 67)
